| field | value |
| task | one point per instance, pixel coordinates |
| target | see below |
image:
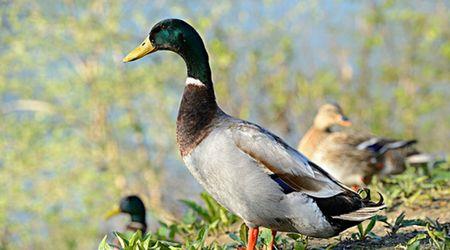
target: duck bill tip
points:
(145, 48)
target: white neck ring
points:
(193, 81)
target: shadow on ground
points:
(388, 241)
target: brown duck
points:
(353, 157)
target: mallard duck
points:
(329, 115)
(247, 169)
(352, 157)
(134, 207)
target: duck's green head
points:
(180, 37)
(131, 205)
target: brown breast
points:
(197, 111)
(312, 138)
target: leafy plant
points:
(300, 241)
(363, 233)
(414, 243)
(435, 224)
(137, 242)
(148, 242)
(413, 186)
(399, 222)
(439, 234)
(241, 239)
(436, 235)
(214, 214)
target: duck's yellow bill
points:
(140, 51)
(114, 211)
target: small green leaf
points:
(146, 243)
(122, 239)
(299, 245)
(214, 224)
(202, 234)
(135, 237)
(234, 237)
(243, 233)
(400, 218)
(223, 216)
(370, 225)
(413, 246)
(416, 222)
(360, 230)
(104, 245)
(293, 236)
(211, 205)
(265, 236)
(203, 213)
(414, 243)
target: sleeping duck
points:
(351, 157)
(247, 169)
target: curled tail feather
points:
(367, 210)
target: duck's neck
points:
(198, 106)
(138, 218)
(312, 138)
(197, 64)
(137, 223)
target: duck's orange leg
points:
(252, 238)
(272, 243)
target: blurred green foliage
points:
(201, 228)
(79, 129)
(196, 231)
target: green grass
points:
(203, 224)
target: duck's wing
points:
(379, 146)
(287, 163)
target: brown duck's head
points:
(329, 115)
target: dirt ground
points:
(433, 209)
